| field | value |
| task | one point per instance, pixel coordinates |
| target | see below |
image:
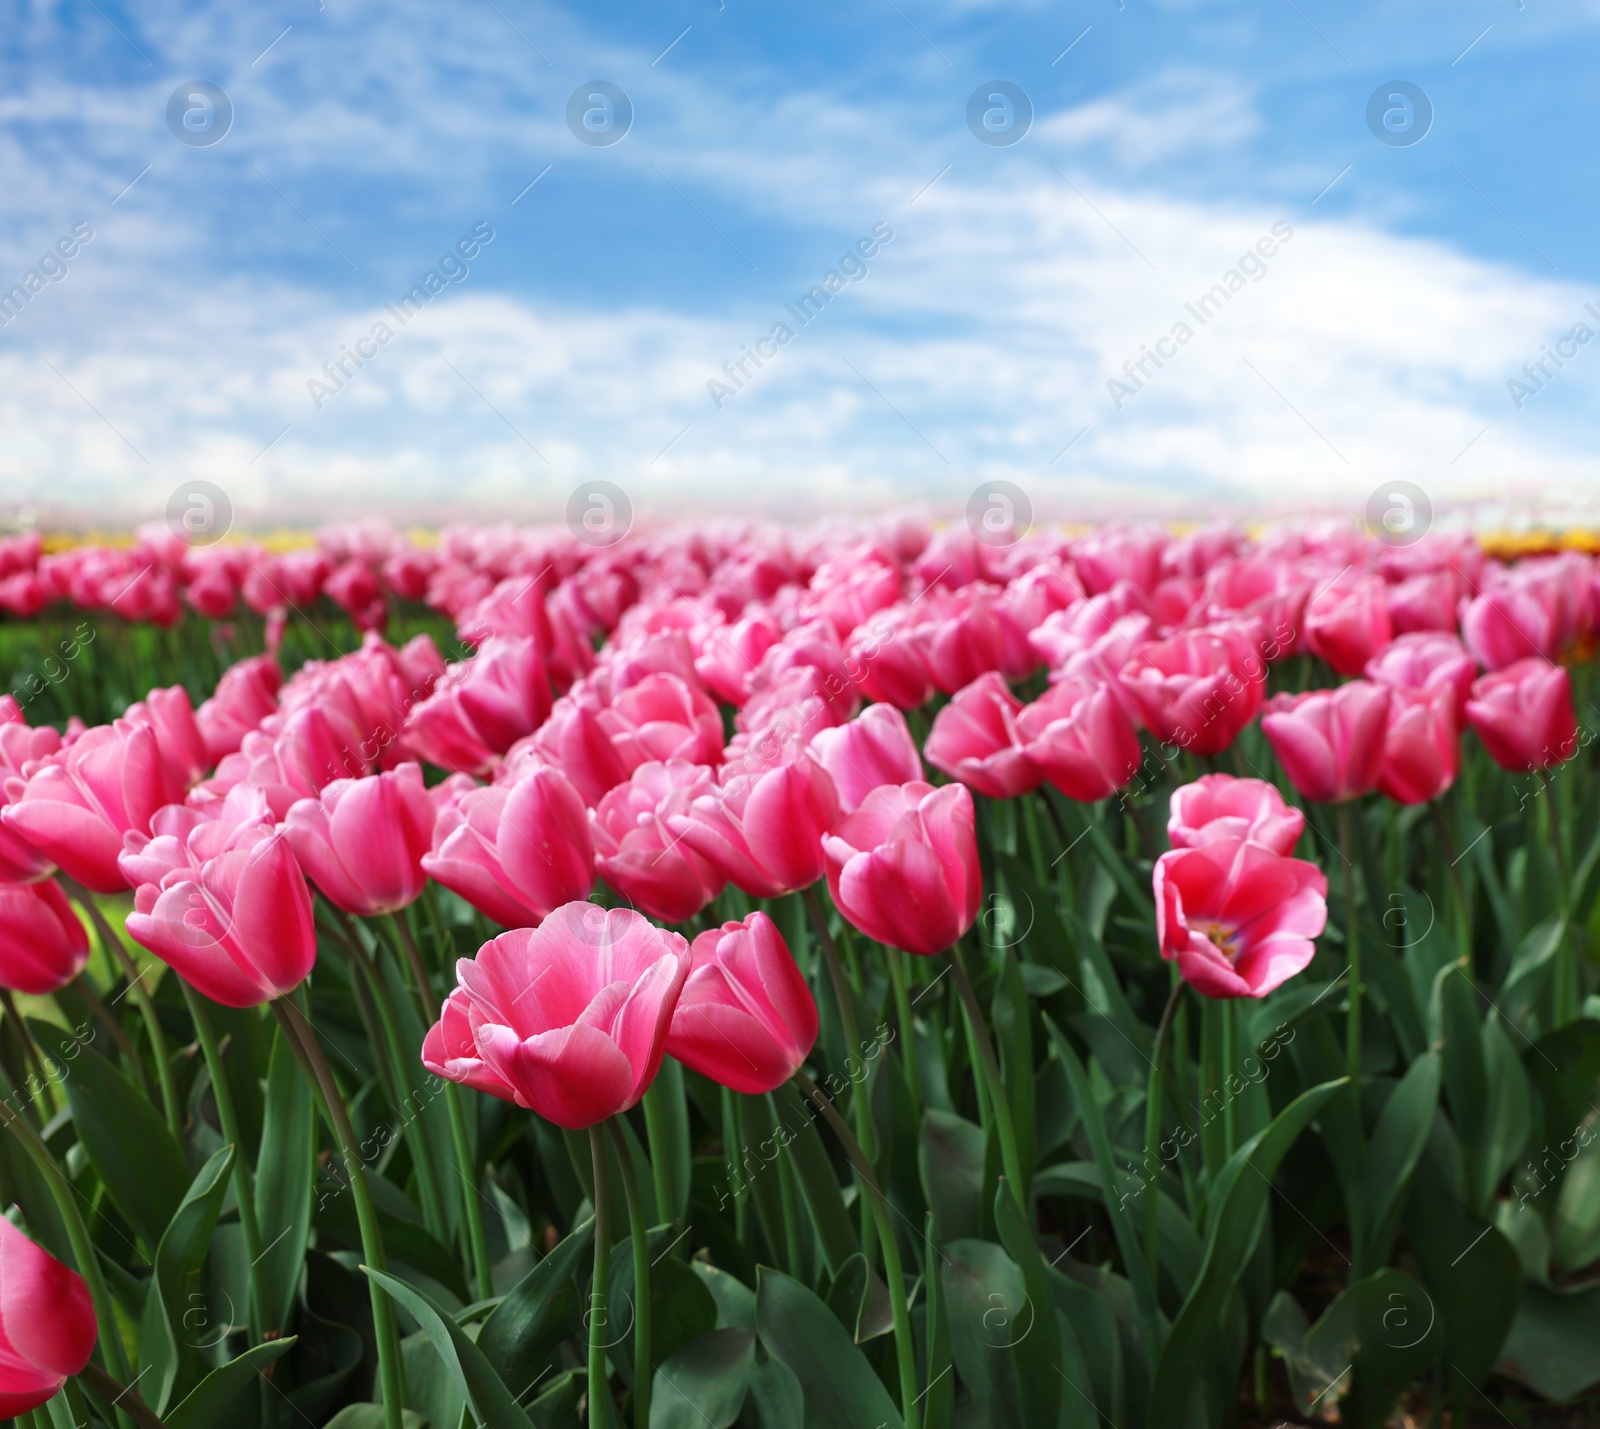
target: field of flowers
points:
(852, 977)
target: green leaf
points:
(951, 1162)
(127, 1141)
(1575, 1226)
(367, 1416)
(1038, 1357)
(1509, 1119)
(938, 1403)
(1529, 967)
(1397, 1144)
(818, 1183)
(212, 1400)
(1565, 1064)
(1554, 1345)
(1133, 1258)
(1014, 1043)
(991, 1313)
(1374, 1338)
(1094, 1326)
(1470, 1269)
(666, 1115)
(174, 1293)
(841, 1390)
(1240, 1197)
(703, 1385)
(681, 1307)
(540, 1310)
(285, 1181)
(485, 1392)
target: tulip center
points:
(1225, 940)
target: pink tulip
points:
(974, 739)
(1347, 622)
(889, 661)
(20, 861)
(246, 694)
(76, 806)
(1218, 806)
(1198, 689)
(1238, 917)
(1426, 601)
(1523, 714)
(969, 641)
(637, 852)
(730, 653)
(1509, 623)
(42, 943)
(568, 1019)
(1426, 660)
(903, 868)
(231, 914)
(762, 831)
(169, 713)
(516, 850)
(361, 841)
(1079, 738)
(47, 1323)
(481, 707)
(745, 1018)
(663, 717)
(1266, 587)
(1329, 742)
(1421, 749)
(874, 749)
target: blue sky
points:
(986, 339)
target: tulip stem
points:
(1152, 1119)
(1352, 942)
(860, 1105)
(147, 1009)
(301, 1035)
(86, 990)
(902, 1009)
(124, 1397)
(639, 1232)
(990, 1065)
(243, 1191)
(893, 1273)
(471, 1202)
(599, 1388)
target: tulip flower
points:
(231, 914)
(1421, 748)
(974, 739)
(663, 717)
(762, 831)
(1197, 690)
(1329, 742)
(42, 943)
(874, 749)
(169, 713)
(1218, 806)
(76, 806)
(745, 1018)
(47, 1323)
(1523, 714)
(481, 706)
(361, 841)
(1238, 918)
(730, 653)
(568, 1019)
(1426, 660)
(889, 661)
(1078, 737)
(1507, 624)
(246, 694)
(517, 850)
(20, 861)
(1347, 622)
(637, 852)
(903, 868)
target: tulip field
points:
(867, 976)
